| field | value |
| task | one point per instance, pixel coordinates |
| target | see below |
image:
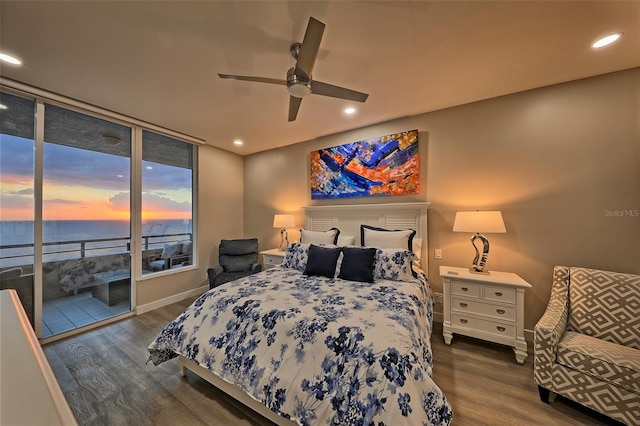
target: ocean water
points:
(62, 238)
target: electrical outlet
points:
(439, 297)
(437, 254)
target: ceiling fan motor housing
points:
(298, 86)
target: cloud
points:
(11, 201)
(120, 201)
(154, 202)
(28, 191)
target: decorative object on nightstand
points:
(272, 257)
(477, 221)
(487, 307)
(283, 221)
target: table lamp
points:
(477, 221)
(283, 221)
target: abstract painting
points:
(387, 165)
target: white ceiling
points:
(158, 61)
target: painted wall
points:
(562, 163)
(220, 213)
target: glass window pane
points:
(17, 124)
(86, 219)
(167, 202)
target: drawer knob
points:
(465, 289)
(463, 305)
(501, 328)
(500, 311)
(464, 321)
(498, 294)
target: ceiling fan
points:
(299, 81)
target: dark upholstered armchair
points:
(238, 258)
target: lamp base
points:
(284, 240)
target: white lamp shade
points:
(283, 221)
(477, 221)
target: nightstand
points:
(271, 258)
(488, 307)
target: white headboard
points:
(348, 218)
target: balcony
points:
(84, 281)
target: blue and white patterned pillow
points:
(394, 265)
(298, 254)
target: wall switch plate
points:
(439, 297)
(437, 254)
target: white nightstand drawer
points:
(485, 309)
(465, 289)
(270, 259)
(498, 329)
(499, 294)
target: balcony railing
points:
(22, 254)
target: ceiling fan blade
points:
(256, 79)
(294, 105)
(310, 46)
(325, 89)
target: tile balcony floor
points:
(67, 313)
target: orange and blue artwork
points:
(387, 165)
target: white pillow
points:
(319, 237)
(384, 238)
(346, 241)
(417, 248)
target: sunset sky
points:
(82, 184)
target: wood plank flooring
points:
(105, 378)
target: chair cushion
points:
(239, 247)
(237, 263)
(171, 250)
(606, 361)
(605, 305)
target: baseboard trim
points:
(147, 307)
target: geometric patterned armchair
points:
(587, 343)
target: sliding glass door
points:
(17, 143)
(86, 263)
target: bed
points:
(310, 346)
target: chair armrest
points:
(256, 267)
(550, 328)
(213, 274)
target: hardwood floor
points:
(105, 378)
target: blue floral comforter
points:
(317, 350)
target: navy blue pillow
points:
(358, 264)
(322, 261)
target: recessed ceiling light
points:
(238, 142)
(606, 40)
(10, 59)
(350, 110)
